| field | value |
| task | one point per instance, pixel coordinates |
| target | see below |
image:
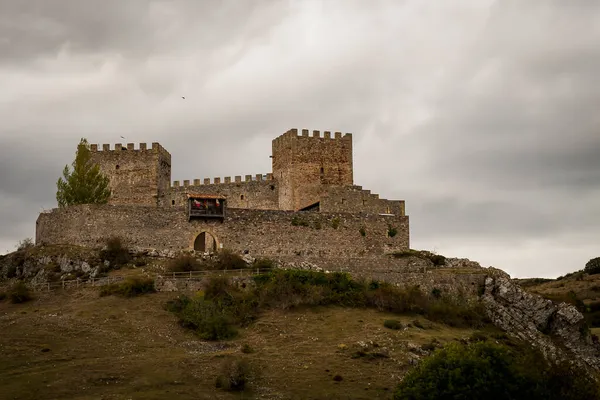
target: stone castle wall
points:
(258, 192)
(137, 176)
(356, 199)
(303, 164)
(260, 233)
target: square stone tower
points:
(304, 164)
(137, 176)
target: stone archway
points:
(205, 242)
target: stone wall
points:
(137, 176)
(356, 199)
(260, 233)
(251, 193)
(303, 164)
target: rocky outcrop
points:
(557, 330)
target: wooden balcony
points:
(204, 206)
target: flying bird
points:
(183, 97)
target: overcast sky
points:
(483, 115)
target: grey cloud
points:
(481, 115)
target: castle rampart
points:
(271, 234)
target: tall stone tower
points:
(137, 176)
(303, 164)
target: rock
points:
(85, 267)
(536, 320)
(248, 259)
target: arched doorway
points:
(205, 242)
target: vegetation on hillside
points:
(85, 184)
(222, 308)
(492, 370)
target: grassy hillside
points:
(78, 345)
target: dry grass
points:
(586, 289)
(77, 345)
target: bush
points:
(130, 287)
(3, 296)
(247, 349)
(363, 232)
(592, 267)
(227, 259)
(392, 231)
(299, 221)
(208, 319)
(493, 371)
(263, 263)
(19, 293)
(392, 324)
(234, 375)
(335, 223)
(25, 244)
(436, 259)
(184, 263)
(116, 253)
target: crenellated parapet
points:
(224, 181)
(130, 149)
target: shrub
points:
(437, 259)
(263, 263)
(299, 221)
(184, 263)
(247, 349)
(493, 371)
(130, 287)
(363, 232)
(2, 296)
(234, 375)
(436, 293)
(335, 223)
(592, 267)
(11, 271)
(25, 244)
(116, 253)
(392, 324)
(392, 231)
(318, 225)
(227, 259)
(19, 293)
(209, 320)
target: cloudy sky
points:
(483, 115)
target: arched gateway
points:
(205, 242)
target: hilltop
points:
(116, 323)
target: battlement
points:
(226, 180)
(130, 148)
(294, 134)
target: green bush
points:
(227, 259)
(263, 263)
(592, 267)
(184, 263)
(234, 376)
(335, 223)
(437, 259)
(392, 231)
(130, 287)
(19, 293)
(392, 324)
(25, 244)
(299, 221)
(209, 320)
(486, 370)
(116, 253)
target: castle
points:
(308, 206)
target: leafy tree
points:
(487, 370)
(85, 184)
(592, 267)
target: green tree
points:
(85, 184)
(493, 371)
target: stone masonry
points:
(308, 206)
